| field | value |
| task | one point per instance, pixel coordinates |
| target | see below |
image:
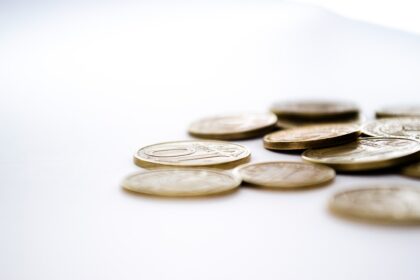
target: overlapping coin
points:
(412, 170)
(233, 127)
(394, 127)
(399, 111)
(379, 204)
(181, 182)
(286, 175)
(314, 136)
(366, 154)
(192, 153)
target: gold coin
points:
(394, 127)
(284, 174)
(412, 170)
(315, 109)
(384, 204)
(232, 127)
(192, 153)
(284, 123)
(366, 154)
(399, 111)
(313, 136)
(181, 182)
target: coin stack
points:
(330, 136)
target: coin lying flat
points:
(394, 127)
(192, 153)
(313, 136)
(232, 127)
(315, 109)
(398, 111)
(385, 204)
(412, 170)
(366, 154)
(284, 123)
(181, 182)
(283, 174)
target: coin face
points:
(394, 127)
(366, 154)
(181, 182)
(192, 153)
(231, 127)
(399, 111)
(315, 109)
(412, 170)
(283, 174)
(313, 136)
(385, 204)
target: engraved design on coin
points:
(391, 204)
(181, 182)
(394, 127)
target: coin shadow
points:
(287, 152)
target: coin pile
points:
(331, 137)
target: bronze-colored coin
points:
(284, 123)
(366, 154)
(412, 170)
(181, 182)
(399, 111)
(394, 127)
(313, 136)
(192, 153)
(230, 127)
(315, 109)
(286, 175)
(379, 204)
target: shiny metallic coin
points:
(379, 204)
(412, 170)
(366, 154)
(399, 111)
(394, 127)
(285, 175)
(193, 153)
(181, 182)
(315, 109)
(314, 136)
(232, 127)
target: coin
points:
(283, 174)
(284, 123)
(366, 154)
(381, 204)
(394, 127)
(181, 182)
(399, 111)
(192, 153)
(231, 127)
(315, 109)
(412, 170)
(313, 136)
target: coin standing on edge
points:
(393, 127)
(378, 204)
(412, 170)
(181, 182)
(366, 154)
(192, 153)
(312, 136)
(398, 111)
(286, 174)
(233, 127)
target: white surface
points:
(83, 88)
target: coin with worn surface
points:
(181, 182)
(399, 111)
(232, 127)
(315, 109)
(412, 170)
(381, 204)
(286, 174)
(313, 136)
(192, 153)
(393, 127)
(366, 154)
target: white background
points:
(83, 86)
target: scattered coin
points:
(192, 153)
(284, 123)
(315, 109)
(399, 111)
(181, 182)
(313, 136)
(278, 174)
(412, 170)
(366, 154)
(394, 127)
(231, 127)
(381, 204)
